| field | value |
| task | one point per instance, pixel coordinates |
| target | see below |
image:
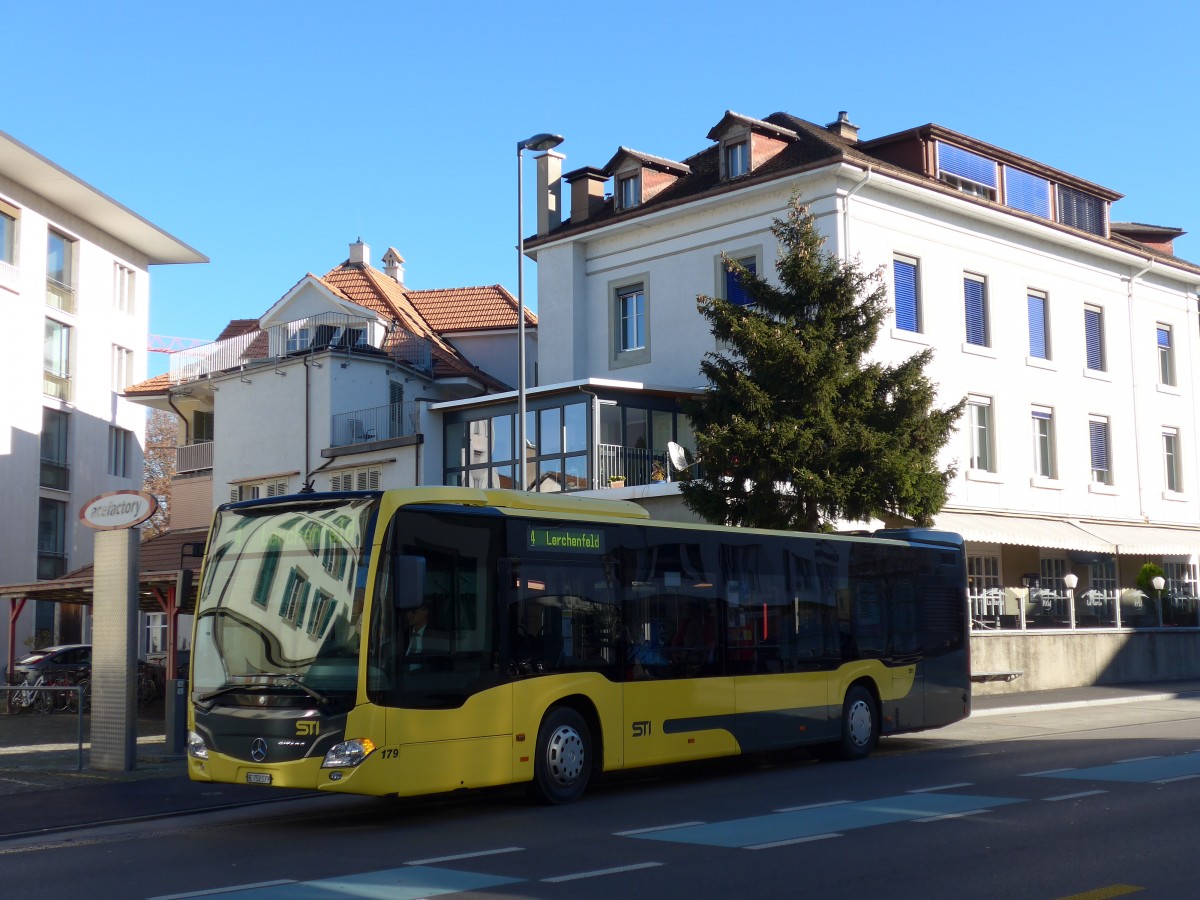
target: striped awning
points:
(1025, 531)
(1157, 539)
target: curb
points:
(1076, 704)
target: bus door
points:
(907, 708)
(678, 703)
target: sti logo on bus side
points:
(642, 729)
(308, 728)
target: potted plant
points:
(657, 473)
(616, 481)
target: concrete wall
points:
(1080, 658)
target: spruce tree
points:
(797, 430)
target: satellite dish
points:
(677, 455)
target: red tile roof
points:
(456, 310)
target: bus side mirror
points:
(408, 581)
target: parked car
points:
(73, 658)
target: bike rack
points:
(76, 689)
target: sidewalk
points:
(42, 791)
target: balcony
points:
(60, 296)
(197, 457)
(634, 465)
(9, 274)
(208, 359)
(375, 423)
(55, 474)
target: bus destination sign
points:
(565, 540)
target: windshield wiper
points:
(235, 688)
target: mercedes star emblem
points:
(258, 750)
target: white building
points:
(1074, 337)
(74, 281)
(330, 388)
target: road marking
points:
(458, 856)
(1176, 778)
(407, 883)
(596, 873)
(778, 827)
(1073, 796)
(788, 843)
(957, 815)
(1139, 758)
(814, 806)
(216, 892)
(1044, 773)
(940, 787)
(1104, 893)
(655, 828)
(1152, 769)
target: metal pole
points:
(520, 323)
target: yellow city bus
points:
(434, 639)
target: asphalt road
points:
(1046, 804)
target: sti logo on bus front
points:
(308, 728)
(565, 540)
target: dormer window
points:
(629, 190)
(968, 172)
(737, 158)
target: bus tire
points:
(562, 763)
(860, 724)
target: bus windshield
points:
(280, 608)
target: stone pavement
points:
(43, 789)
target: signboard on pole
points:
(118, 509)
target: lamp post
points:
(1070, 582)
(538, 142)
(1159, 583)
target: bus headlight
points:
(348, 753)
(196, 747)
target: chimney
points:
(360, 254)
(843, 127)
(393, 265)
(587, 192)
(549, 191)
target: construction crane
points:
(161, 343)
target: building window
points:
(1043, 443)
(1172, 471)
(983, 584)
(904, 281)
(629, 190)
(979, 413)
(737, 159)
(631, 318)
(56, 367)
(1181, 579)
(55, 461)
(1026, 192)
(1166, 356)
(975, 299)
(203, 426)
(968, 172)
(1101, 452)
(52, 538)
(60, 272)
(367, 478)
(273, 487)
(1082, 211)
(735, 291)
(1093, 333)
(122, 288)
(122, 368)
(1039, 330)
(8, 243)
(119, 441)
(1053, 568)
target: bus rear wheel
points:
(562, 763)
(860, 724)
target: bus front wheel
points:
(563, 760)
(860, 723)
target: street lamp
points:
(1159, 583)
(538, 142)
(1070, 582)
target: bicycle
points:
(29, 698)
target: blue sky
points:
(270, 135)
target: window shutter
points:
(235, 494)
(373, 479)
(904, 275)
(735, 291)
(976, 314)
(964, 164)
(1099, 439)
(1027, 192)
(1037, 327)
(1093, 328)
(1164, 338)
(1080, 210)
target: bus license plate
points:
(258, 778)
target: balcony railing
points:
(376, 423)
(412, 350)
(1017, 609)
(56, 474)
(9, 274)
(636, 465)
(189, 365)
(196, 457)
(60, 296)
(325, 331)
